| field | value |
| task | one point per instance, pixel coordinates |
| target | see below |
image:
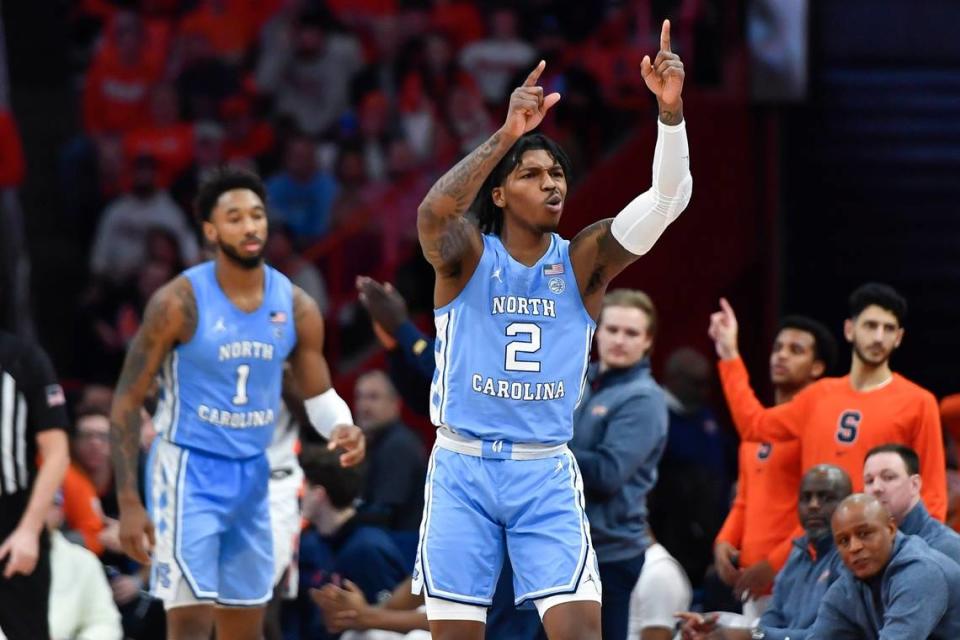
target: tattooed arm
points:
(170, 317)
(450, 242)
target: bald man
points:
(812, 567)
(897, 587)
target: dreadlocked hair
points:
(488, 215)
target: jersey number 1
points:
(530, 345)
(243, 372)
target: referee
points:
(33, 420)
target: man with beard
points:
(756, 537)
(813, 566)
(218, 335)
(896, 587)
(838, 420)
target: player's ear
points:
(899, 339)
(209, 232)
(848, 329)
(497, 196)
(818, 369)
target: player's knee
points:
(191, 623)
(579, 630)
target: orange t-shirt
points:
(838, 425)
(764, 513)
(950, 414)
(81, 508)
(115, 95)
(171, 146)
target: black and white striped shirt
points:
(31, 401)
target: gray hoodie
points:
(619, 432)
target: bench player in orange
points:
(837, 420)
(755, 540)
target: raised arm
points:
(451, 242)
(326, 411)
(170, 316)
(754, 422)
(607, 247)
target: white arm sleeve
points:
(326, 411)
(643, 221)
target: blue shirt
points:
(220, 391)
(799, 588)
(620, 430)
(302, 206)
(916, 596)
(939, 536)
(512, 349)
(364, 555)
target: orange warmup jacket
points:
(836, 424)
(763, 517)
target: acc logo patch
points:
(557, 285)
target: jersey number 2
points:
(530, 345)
(243, 372)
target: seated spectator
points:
(203, 79)
(346, 609)
(496, 59)
(891, 474)
(247, 138)
(693, 470)
(208, 141)
(81, 604)
(309, 73)
(120, 243)
(813, 566)
(336, 546)
(662, 590)
(375, 132)
(163, 136)
(282, 255)
(301, 195)
(230, 26)
(896, 586)
(397, 463)
(123, 71)
(90, 478)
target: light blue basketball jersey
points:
(220, 392)
(512, 349)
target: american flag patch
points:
(55, 397)
(278, 317)
(553, 269)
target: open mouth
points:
(554, 203)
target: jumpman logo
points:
(219, 326)
(496, 274)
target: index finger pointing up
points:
(665, 37)
(531, 80)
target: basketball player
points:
(516, 306)
(220, 333)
